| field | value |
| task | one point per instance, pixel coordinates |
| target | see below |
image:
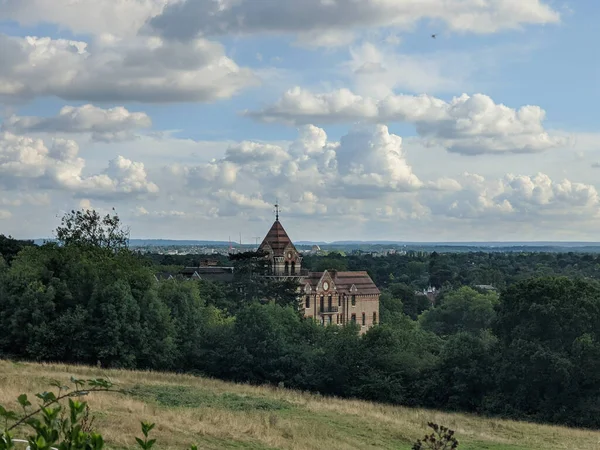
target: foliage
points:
(442, 438)
(88, 228)
(462, 310)
(10, 247)
(58, 428)
(532, 351)
(250, 284)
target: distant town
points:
(375, 248)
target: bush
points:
(58, 428)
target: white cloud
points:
(28, 163)
(120, 17)
(367, 163)
(325, 39)
(123, 177)
(518, 198)
(105, 125)
(207, 17)
(140, 211)
(119, 70)
(254, 152)
(20, 199)
(379, 71)
(373, 158)
(467, 124)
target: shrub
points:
(58, 428)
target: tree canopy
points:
(87, 227)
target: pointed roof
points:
(277, 239)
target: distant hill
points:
(375, 245)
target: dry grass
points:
(218, 415)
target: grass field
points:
(218, 415)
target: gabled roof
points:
(163, 276)
(344, 281)
(277, 239)
(211, 273)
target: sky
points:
(429, 120)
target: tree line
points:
(531, 352)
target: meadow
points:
(219, 415)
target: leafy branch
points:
(49, 398)
(59, 429)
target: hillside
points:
(219, 415)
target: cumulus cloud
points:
(466, 124)
(118, 70)
(120, 17)
(366, 163)
(518, 197)
(29, 163)
(207, 17)
(373, 158)
(105, 125)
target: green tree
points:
(464, 374)
(88, 228)
(115, 327)
(412, 304)
(10, 247)
(549, 333)
(462, 310)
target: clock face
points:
(289, 255)
(325, 285)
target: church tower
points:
(285, 259)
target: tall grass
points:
(219, 415)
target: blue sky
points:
(348, 112)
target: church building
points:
(329, 297)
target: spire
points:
(277, 238)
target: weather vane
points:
(276, 209)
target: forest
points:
(529, 350)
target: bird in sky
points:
(434, 36)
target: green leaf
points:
(23, 400)
(150, 443)
(97, 441)
(46, 397)
(40, 442)
(146, 428)
(77, 382)
(9, 415)
(141, 443)
(59, 385)
(100, 383)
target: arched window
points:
(374, 318)
(329, 303)
(364, 319)
(293, 268)
(308, 303)
(287, 268)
